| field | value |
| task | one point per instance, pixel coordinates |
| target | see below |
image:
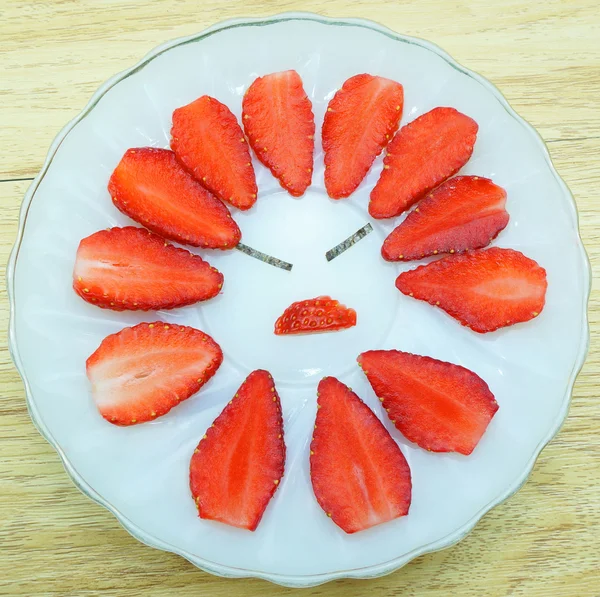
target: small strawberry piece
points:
(142, 372)
(321, 314)
(238, 464)
(360, 120)
(209, 142)
(152, 188)
(132, 268)
(359, 475)
(423, 154)
(439, 406)
(280, 126)
(466, 212)
(484, 290)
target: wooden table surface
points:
(544, 55)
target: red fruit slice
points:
(439, 406)
(239, 463)
(321, 314)
(360, 120)
(142, 372)
(358, 473)
(485, 289)
(209, 142)
(131, 268)
(152, 188)
(423, 154)
(466, 212)
(280, 126)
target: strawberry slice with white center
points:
(359, 475)
(238, 464)
(132, 268)
(141, 372)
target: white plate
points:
(141, 473)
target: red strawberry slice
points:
(209, 142)
(484, 290)
(359, 475)
(466, 212)
(423, 154)
(151, 187)
(239, 463)
(280, 126)
(360, 120)
(132, 268)
(142, 372)
(439, 406)
(321, 314)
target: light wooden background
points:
(544, 55)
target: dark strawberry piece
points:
(321, 314)
(358, 473)
(423, 154)
(132, 268)
(278, 120)
(439, 406)
(466, 212)
(360, 120)
(238, 464)
(209, 142)
(151, 187)
(142, 372)
(484, 290)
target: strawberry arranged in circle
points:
(238, 464)
(280, 126)
(485, 289)
(142, 372)
(152, 188)
(422, 155)
(132, 268)
(209, 142)
(360, 120)
(359, 475)
(437, 405)
(321, 314)
(466, 212)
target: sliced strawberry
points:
(280, 125)
(423, 154)
(485, 289)
(439, 406)
(359, 475)
(209, 142)
(360, 120)
(151, 187)
(142, 372)
(132, 268)
(239, 463)
(321, 314)
(466, 212)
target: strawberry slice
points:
(484, 290)
(209, 142)
(359, 475)
(360, 120)
(439, 406)
(423, 154)
(151, 187)
(466, 212)
(280, 126)
(132, 268)
(321, 314)
(239, 463)
(142, 372)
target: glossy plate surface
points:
(141, 473)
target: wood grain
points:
(544, 55)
